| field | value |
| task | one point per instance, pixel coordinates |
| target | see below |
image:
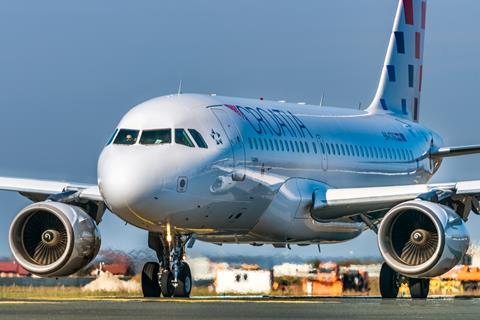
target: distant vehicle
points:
(467, 276)
(324, 281)
(189, 167)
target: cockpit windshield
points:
(181, 137)
(160, 136)
(198, 138)
(112, 137)
(126, 136)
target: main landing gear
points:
(390, 282)
(171, 276)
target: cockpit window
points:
(198, 138)
(160, 136)
(126, 136)
(181, 137)
(113, 136)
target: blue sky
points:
(70, 69)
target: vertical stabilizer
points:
(401, 81)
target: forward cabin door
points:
(235, 140)
(323, 152)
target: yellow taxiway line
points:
(57, 300)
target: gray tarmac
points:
(241, 308)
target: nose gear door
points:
(236, 143)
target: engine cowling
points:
(53, 239)
(421, 239)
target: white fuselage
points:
(263, 160)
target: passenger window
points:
(337, 148)
(261, 143)
(296, 146)
(276, 145)
(255, 143)
(181, 137)
(250, 144)
(389, 153)
(126, 136)
(160, 136)
(266, 144)
(281, 145)
(112, 137)
(347, 148)
(286, 146)
(314, 147)
(271, 144)
(291, 146)
(357, 152)
(362, 152)
(343, 149)
(352, 150)
(328, 148)
(367, 154)
(200, 141)
(333, 149)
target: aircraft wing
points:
(39, 190)
(336, 203)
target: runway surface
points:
(240, 308)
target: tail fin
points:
(401, 81)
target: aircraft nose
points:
(120, 180)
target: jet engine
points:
(53, 239)
(422, 239)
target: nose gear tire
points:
(166, 283)
(184, 286)
(150, 281)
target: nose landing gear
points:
(172, 276)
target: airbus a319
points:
(189, 167)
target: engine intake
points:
(422, 239)
(53, 239)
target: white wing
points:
(336, 203)
(38, 190)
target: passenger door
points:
(236, 142)
(323, 152)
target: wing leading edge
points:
(38, 190)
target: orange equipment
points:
(324, 282)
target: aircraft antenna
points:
(180, 88)
(322, 100)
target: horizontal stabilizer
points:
(455, 151)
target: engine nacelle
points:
(53, 239)
(422, 239)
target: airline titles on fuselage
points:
(272, 121)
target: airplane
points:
(187, 167)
